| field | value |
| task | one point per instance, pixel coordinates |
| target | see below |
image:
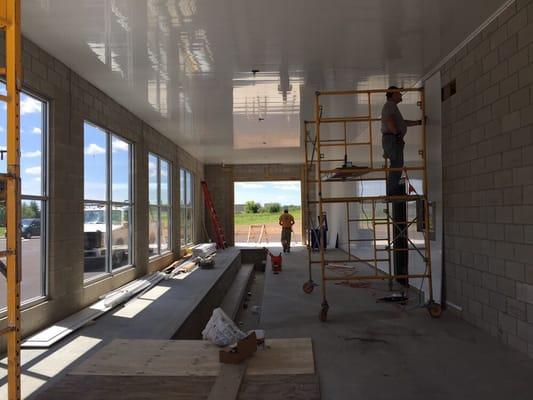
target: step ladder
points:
(219, 233)
(10, 191)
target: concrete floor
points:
(366, 350)
(377, 351)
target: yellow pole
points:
(320, 205)
(427, 242)
(13, 84)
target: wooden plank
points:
(280, 387)
(194, 358)
(229, 381)
(94, 387)
(283, 357)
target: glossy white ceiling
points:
(184, 66)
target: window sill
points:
(159, 256)
(106, 275)
(26, 305)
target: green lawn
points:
(262, 218)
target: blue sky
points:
(95, 165)
(283, 192)
(31, 128)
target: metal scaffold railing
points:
(384, 243)
(10, 191)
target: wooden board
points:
(94, 387)
(228, 383)
(194, 358)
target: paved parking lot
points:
(31, 270)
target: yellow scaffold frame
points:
(10, 190)
(314, 166)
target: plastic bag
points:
(221, 330)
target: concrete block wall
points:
(221, 179)
(488, 178)
(72, 100)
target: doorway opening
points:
(258, 206)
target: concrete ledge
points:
(237, 292)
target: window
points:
(34, 204)
(186, 207)
(159, 213)
(108, 206)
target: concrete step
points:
(236, 294)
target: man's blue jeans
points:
(393, 148)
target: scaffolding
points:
(10, 190)
(383, 215)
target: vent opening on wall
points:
(448, 90)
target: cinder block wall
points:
(72, 100)
(221, 179)
(488, 178)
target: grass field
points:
(262, 218)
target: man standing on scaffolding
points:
(394, 128)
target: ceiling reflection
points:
(184, 66)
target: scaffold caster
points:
(434, 309)
(324, 312)
(308, 286)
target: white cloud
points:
(33, 171)
(94, 149)
(250, 185)
(152, 168)
(36, 130)
(2, 129)
(29, 106)
(120, 145)
(292, 186)
(31, 154)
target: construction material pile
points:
(204, 254)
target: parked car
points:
(30, 227)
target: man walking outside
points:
(286, 221)
(394, 128)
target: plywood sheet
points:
(194, 358)
(94, 387)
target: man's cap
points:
(389, 94)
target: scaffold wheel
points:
(324, 312)
(434, 309)
(308, 287)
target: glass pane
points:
(121, 151)
(95, 163)
(153, 230)
(188, 189)
(182, 226)
(32, 284)
(120, 236)
(182, 187)
(95, 239)
(165, 182)
(165, 231)
(189, 217)
(31, 142)
(32, 239)
(152, 179)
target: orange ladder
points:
(219, 233)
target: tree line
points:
(252, 207)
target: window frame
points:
(44, 199)
(160, 206)
(188, 178)
(108, 203)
